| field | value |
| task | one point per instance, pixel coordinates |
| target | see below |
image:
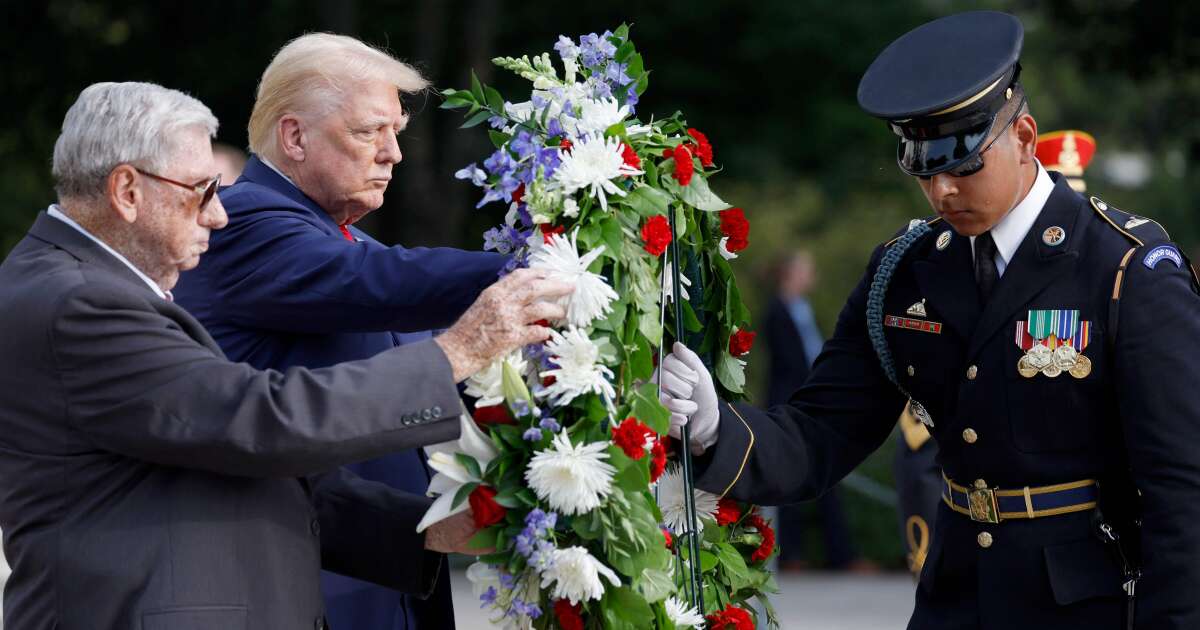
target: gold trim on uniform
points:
(746, 457)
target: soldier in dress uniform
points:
(1054, 363)
(918, 476)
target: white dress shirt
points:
(57, 213)
(1011, 230)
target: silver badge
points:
(943, 240)
(918, 309)
(1134, 222)
(920, 413)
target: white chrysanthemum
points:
(575, 574)
(670, 501)
(592, 296)
(579, 369)
(682, 615)
(573, 479)
(723, 249)
(596, 115)
(570, 209)
(668, 285)
(487, 384)
(592, 163)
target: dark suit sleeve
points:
(137, 384)
(369, 530)
(298, 269)
(798, 450)
(1158, 376)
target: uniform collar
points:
(57, 213)
(1010, 232)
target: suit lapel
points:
(1034, 265)
(946, 280)
(50, 230)
(259, 173)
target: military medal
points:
(1053, 341)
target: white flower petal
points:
(575, 575)
(723, 249)
(592, 297)
(578, 370)
(683, 615)
(441, 510)
(573, 479)
(451, 475)
(669, 491)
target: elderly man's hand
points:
(453, 535)
(503, 318)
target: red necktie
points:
(346, 233)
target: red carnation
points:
(683, 165)
(484, 509)
(740, 342)
(728, 512)
(519, 194)
(565, 145)
(569, 615)
(550, 230)
(704, 150)
(658, 459)
(631, 437)
(767, 546)
(732, 618)
(630, 156)
(736, 227)
(656, 232)
(670, 539)
(495, 414)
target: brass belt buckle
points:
(982, 502)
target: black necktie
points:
(986, 274)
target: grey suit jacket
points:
(148, 483)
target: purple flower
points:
(491, 195)
(521, 407)
(513, 264)
(631, 98)
(525, 542)
(615, 73)
(601, 90)
(499, 162)
(532, 435)
(596, 49)
(473, 173)
(495, 239)
(497, 122)
(554, 128)
(524, 144)
(566, 47)
(507, 581)
(488, 597)
(547, 159)
(550, 424)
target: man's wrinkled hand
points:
(453, 535)
(505, 317)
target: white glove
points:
(687, 391)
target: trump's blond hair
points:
(311, 75)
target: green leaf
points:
(708, 561)
(624, 52)
(498, 137)
(588, 526)
(624, 609)
(731, 373)
(648, 201)
(633, 478)
(494, 100)
(641, 364)
(622, 32)
(615, 131)
(690, 322)
(468, 462)
(507, 498)
(484, 539)
(649, 410)
(476, 119)
(512, 384)
(655, 585)
(477, 89)
(614, 242)
(636, 67)
(696, 194)
(733, 565)
(527, 497)
(462, 494)
(650, 328)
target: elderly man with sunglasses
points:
(1046, 339)
(151, 483)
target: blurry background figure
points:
(793, 341)
(230, 162)
(918, 476)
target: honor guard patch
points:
(1161, 253)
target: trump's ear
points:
(124, 191)
(291, 137)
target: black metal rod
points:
(685, 451)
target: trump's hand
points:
(452, 535)
(503, 319)
(687, 391)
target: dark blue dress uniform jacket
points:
(1135, 417)
(280, 287)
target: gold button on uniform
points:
(972, 372)
(911, 371)
(984, 539)
(969, 436)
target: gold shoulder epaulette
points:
(1138, 229)
(930, 222)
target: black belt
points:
(992, 505)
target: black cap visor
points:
(928, 156)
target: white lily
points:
(451, 475)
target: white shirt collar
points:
(276, 169)
(1011, 230)
(57, 213)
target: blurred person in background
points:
(291, 282)
(230, 161)
(793, 342)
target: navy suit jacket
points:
(280, 286)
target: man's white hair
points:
(311, 75)
(122, 123)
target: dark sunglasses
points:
(974, 164)
(206, 190)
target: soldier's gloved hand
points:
(689, 394)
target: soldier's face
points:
(974, 204)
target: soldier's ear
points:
(1026, 130)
